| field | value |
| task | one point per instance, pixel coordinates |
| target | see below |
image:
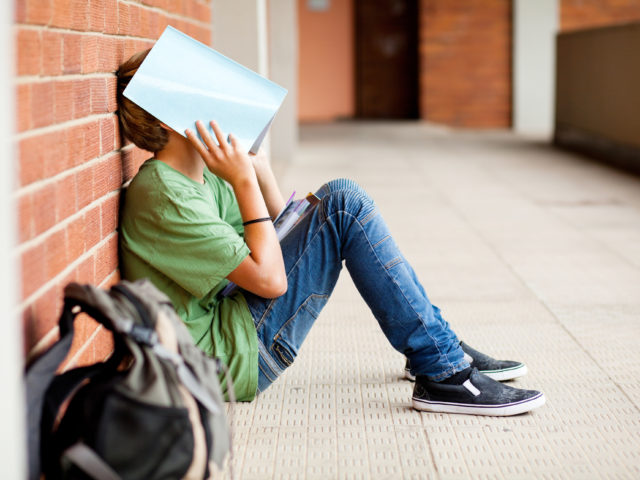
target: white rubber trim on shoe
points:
(504, 410)
(498, 375)
(506, 374)
(471, 387)
(408, 376)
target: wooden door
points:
(386, 58)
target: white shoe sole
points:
(498, 375)
(504, 410)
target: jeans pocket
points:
(288, 339)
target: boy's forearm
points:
(270, 190)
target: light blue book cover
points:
(182, 81)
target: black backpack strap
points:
(44, 394)
(37, 380)
(89, 462)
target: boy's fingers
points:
(219, 136)
(197, 144)
(206, 137)
(234, 142)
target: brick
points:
(80, 14)
(25, 217)
(81, 98)
(23, 107)
(112, 85)
(92, 230)
(103, 345)
(90, 53)
(97, 15)
(454, 63)
(75, 239)
(124, 18)
(107, 176)
(111, 279)
(46, 311)
(107, 259)
(41, 156)
(44, 208)
(85, 327)
(84, 186)
(108, 135)
(99, 95)
(20, 12)
(28, 48)
(32, 269)
(85, 271)
(63, 101)
(109, 214)
(72, 53)
(51, 53)
(163, 21)
(39, 12)
(111, 16)
(111, 52)
(91, 132)
(55, 253)
(65, 189)
(62, 13)
(100, 347)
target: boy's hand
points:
(261, 162)
(229, 162)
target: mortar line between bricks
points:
(71, 363)
(48, 338)
(44, 236)
(65, 77)
(174, 15)
(170, 16)
(43, 288)
(43, 342)
(38, 184)
(62, 125)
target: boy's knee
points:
(345, 187)
(346, 195)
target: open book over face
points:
(182, 80)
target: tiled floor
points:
(532, 254)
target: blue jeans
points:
(346, 225)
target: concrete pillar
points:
(240, 32)
(262, 36)
(535, 23)
(12, 440)
(283, 65)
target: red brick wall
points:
(465, 56)
(579, 14)
(71, 161)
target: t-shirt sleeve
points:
(184, 238)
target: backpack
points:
(152, 410)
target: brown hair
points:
(138, 125)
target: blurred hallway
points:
(532, 253)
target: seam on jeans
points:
(442, 356)
(393, 263)
(266, 357)
(267, 376)
(280, 350)
(381, 241)
(369, 216)
(266, 311)
(278, 335)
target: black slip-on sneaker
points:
(478, 395)
(499, 370)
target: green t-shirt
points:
(186, 238)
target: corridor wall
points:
(71, 161)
